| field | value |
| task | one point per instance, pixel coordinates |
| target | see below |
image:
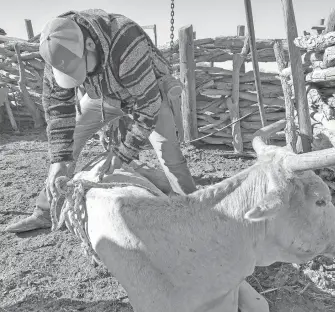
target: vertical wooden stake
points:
(233, 104)
(29, 27)
(187, 77)
(4, 98)
(241, 32)
(298, 79)
(251, 31)
(290, 132)
(155, 34)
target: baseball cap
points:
(62, 47)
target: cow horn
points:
(311, 160)
(258, 142)
(301, 162)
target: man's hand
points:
(111, 163)
(56, 170)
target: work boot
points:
(33, 222)
(40, 219)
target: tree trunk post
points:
(241, 30)
(233, 104)
(5, 101)
(187, 77)
(29, 28)
(241, 33)
(305, 127)
(253, 48)
(155, 34)
(290, 132)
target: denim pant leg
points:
(87, 123)
(165, 142)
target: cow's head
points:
(297, 208)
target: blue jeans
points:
(163, 139)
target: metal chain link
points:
(172, 31)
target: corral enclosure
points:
(218, 101)
(33, 281)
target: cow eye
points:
(321, 202)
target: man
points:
(120, 69)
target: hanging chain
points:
(172, 31)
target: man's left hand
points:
(111, 163)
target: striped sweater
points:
(130, 66)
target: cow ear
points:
(267, 208)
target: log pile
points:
(21, 71)
(216, 100)
(222, 49)
(215, 107)
(319, 67)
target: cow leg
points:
(119, 250)
(148, 290)
(249, 300)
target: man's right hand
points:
(56, 170)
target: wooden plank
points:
(187, 77)
(291, 135)
(298, 78)
(267, 101)
(9, 39)
(215, 92)
(148, 27)
(237, 42)
(251, 31)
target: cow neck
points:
(233, 197)
(215, 194)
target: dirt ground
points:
(43, 271)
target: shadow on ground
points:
(35, 304)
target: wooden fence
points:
(211, 92)
(216, 91)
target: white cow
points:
(192, 253)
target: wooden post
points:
(298, 78)
(187, 77)
(241, 32)
(31, 106)
(320, 28)
(4, 98)
(251, 31)
(155, 34)
(233, 104)
(330, 25)
(290, 132)
(29, 28)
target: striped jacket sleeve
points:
(60, 115)
(131, 56)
